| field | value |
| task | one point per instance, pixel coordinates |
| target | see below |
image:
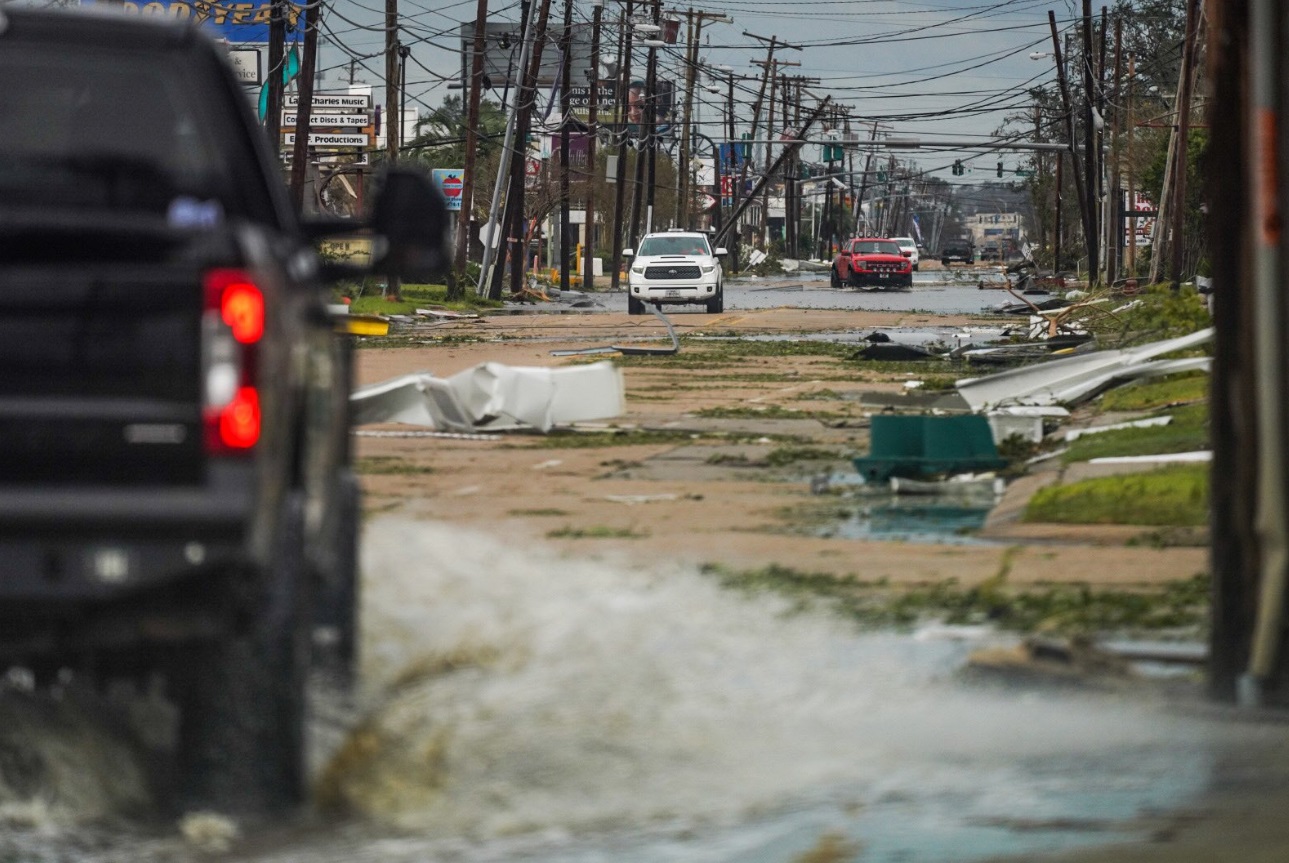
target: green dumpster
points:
(921, 446)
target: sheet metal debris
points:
(630, 350)
(1073, 379)
(495, 397)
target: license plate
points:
(673, 294)
(883, 275)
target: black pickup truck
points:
(176, 499)
(958, 251)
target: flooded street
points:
(549, 674)
(518, 705)
(528, 707)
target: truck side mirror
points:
(411, 217)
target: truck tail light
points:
(232, 326)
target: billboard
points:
(237, 23)
(502, 45)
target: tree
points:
(440, 136)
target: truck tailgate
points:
(100, 374)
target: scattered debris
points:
(967, 484)
(1077, 662)
(366, 325)
(631, 350)
(456, 316)
(209, 831)
(1075, 434)
(1070, 380)
(633, 499)
(896, 352)
(493, 397)
(1199, 456)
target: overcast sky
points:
(924, 68)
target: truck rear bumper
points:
(59, 544)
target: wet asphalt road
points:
(931, 292)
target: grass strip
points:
(1169, 496)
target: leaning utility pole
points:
(512, 218)
(472, 142)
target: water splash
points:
(517, 694)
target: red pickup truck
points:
(872, 261)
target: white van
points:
(908, 248)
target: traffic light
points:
(957, 167)
(1000, 169)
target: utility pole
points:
(566, 68)
(592, 169)
(651, 120)
(393, 287)
(517, 235)
(308, 65)
(620, 123)
(472, 143)
(512, 219)
(1183, 140)
(1084, 203)
(693, 32)
(1131, 252)
(767, 70)
(277, 52)
(1089, 150)
(1115, 223)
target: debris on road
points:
(631, 350)
(495, 397)
(1070, 380)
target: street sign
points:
(705, 203)
(448, 181)
(332, 101)
(329, 121)
(329, 140)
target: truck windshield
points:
(107, 130)
(874, 247)
(683, 245)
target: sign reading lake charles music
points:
(323, 139)
(332, 101)
(328, 121)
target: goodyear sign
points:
(237, 22)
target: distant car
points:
(991, 252)
(960, 251)
(872, 261)
(909, 249)
(675, 267)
